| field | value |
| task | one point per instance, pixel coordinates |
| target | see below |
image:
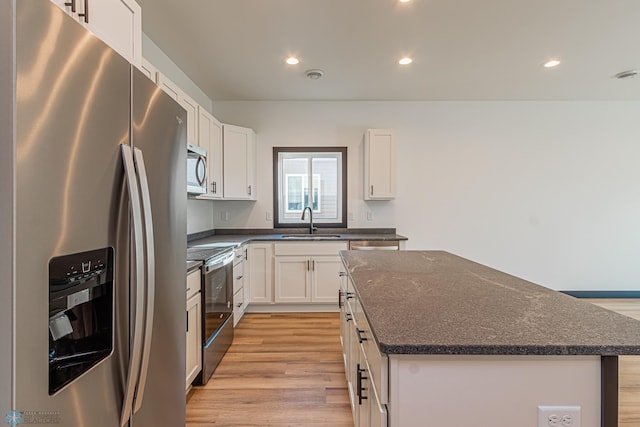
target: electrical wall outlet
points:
(369, 216)
(224, 216)
(558, 416)
(269, 216)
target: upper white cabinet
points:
(379, 165)
(210, 138)
(149, 70)
(117, 22)
(187, 103)
(239, 148)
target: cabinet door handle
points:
(187, 321)
(240, 304)
(239, 277)
(85, 15)
(72, 3)
(342, 274)
(339, 298)
(313, 265)
(372, 190)
(249, 190)
(360, 337)
(359, 387)
(348, 295)
(347, 317)
(308, 265)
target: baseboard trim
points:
(603, 294)
(292, 308)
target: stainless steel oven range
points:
(217, 305)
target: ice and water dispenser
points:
(80, 314)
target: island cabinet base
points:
(496, 391)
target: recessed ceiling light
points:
(405, 61)
(551, 63)
(405, 1)
(292, 60)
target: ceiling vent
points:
(626, 74)
(314, 74)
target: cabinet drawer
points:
(238, 306)
(378, 362)
(238, 277)
(311, 248)
(193, 283)
(378, 410)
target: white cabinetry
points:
(194, 328)
(149, 70)
(379, 165)
(239, 150)
(260, 273)
(210, 138)
(187, 103)
(293, 278)
(365, 367)
(117, 22)
(239, 283)
(307, 272)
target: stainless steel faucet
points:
(311, 227)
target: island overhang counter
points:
(433, 339)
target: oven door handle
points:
(137, 279)
(208, 268)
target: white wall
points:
(547, 191)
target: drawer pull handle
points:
(347, 317)
(72, 3)
(359, 387)
(360, 337)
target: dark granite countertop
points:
(193, 265)
(433, 302)
(239, 237)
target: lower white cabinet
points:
(293, 279)
(240, 281)
(194, 328)
(365, 367)
(260, 273)
(307, 272)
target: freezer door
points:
(72, 114)
(159, 133)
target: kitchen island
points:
(432, 339)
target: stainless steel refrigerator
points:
(92, 231)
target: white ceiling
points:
(462, 49)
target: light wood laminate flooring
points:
(281, 370)
(287, 370)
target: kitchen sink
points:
(310, 236)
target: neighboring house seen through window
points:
(310, 176)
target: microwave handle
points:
(201, 180)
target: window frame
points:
(276, 185)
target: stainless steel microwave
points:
(196, 170)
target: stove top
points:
(205, 254)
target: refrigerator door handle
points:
(138, 279)
(151, 268)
